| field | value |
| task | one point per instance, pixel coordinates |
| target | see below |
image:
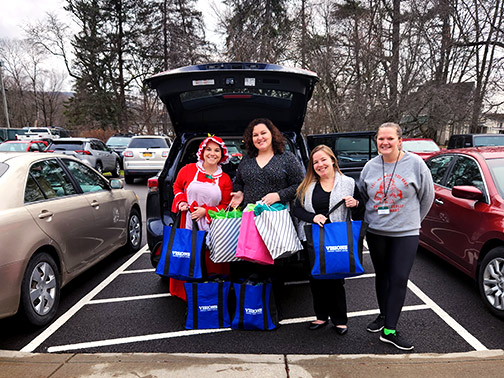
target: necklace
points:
(385, 191)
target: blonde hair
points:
(311, 175)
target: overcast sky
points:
(14, 14)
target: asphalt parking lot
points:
(130, 310)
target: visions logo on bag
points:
(208, 308)
(253, 311)
(336, 248)
(181, 255)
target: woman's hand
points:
(350, 201)
(236, 199)
(183, 206)
(198, 213)
(270, 198)
(319, 219)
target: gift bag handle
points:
(171, 240)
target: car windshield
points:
(420, 146)
(66, 146)
(13, 146)
(39, 131)
(497, 170)
(488, 140)
(147, 143)
(118, 141)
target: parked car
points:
(90, 150)
(23, 146)
(222, 99)
(59, 217)
(145, 156)
(10, 133)
(118, 144)
(352, 149)
(465, 224)
(424, 147)
(475, 140)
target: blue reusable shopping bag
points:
(255, 308)
(335, 250)
(182, 253)
(207, 305)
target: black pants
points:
(329, 300)
(393, 259)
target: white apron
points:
(204, 193)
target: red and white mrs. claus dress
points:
(200, 189)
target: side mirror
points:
(116, 184)
(467, 192)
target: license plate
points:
(147, 154)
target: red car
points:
(423, 147)
(465, 225)
(23, 145)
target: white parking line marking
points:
(429, 304)
(125, 299)
(35, 343)
(353, 314)
(133, 339)
(139, 271)
(470, 339)
(170, 335)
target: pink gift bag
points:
(250, 246)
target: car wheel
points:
(99, 167)
(40, 290)
(134, 231)
(128, 179)
(117, 169)
(491, 281)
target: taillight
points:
(83, 152)
(157, 252)
(152, 183)
(49, 151)
(128, 153)
(165, 154)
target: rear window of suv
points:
(66, 146)
(204, 97)
(148, 143)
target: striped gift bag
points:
(278, 233)
(223, 238)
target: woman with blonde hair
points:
(323, 187)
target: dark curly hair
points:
(277, 138)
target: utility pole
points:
(3, 96)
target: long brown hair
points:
(277, 138)
(311, 175)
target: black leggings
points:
(392, 260)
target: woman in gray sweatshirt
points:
(398, 189)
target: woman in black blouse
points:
(268, 173)
(322, 188)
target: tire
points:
(40, 290)
(134, 231)
(116, 172)
(99, 167)
(128, 179)
(491, 281)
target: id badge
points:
(383, 210)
